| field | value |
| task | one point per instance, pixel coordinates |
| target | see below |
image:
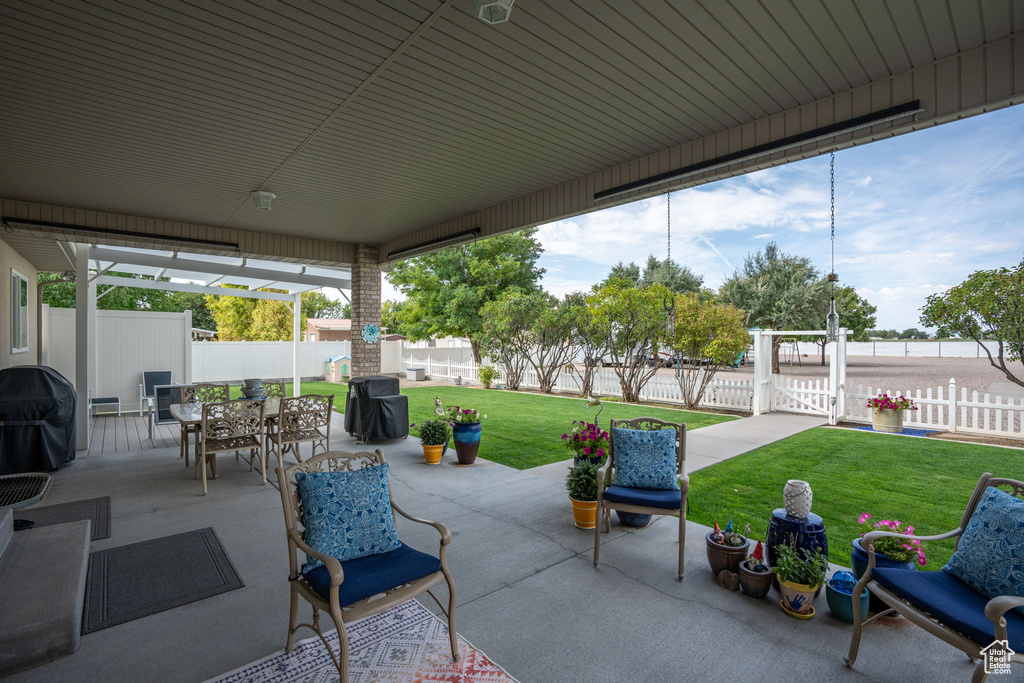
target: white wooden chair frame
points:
(346, 461)
(604, 507)
(994, 609)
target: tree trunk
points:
(776, 345)
(824, 343)
(475, 345)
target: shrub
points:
(487, 375)
(581, 483)
(433, 432)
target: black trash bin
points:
(37, 419)
(375, 410)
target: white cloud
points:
(864, 182)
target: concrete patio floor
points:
(528, 593)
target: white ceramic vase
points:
(797, 497)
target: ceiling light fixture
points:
(433, 244)
(263, 200)
(493, 11)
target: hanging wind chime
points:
(670, 303)
(832, 319)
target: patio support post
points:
(85, 343)
(365, 310)
(762, 371)
(296, 316)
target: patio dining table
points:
(191, 415)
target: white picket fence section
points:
(941, 408)
(736, 395)
(794, 395)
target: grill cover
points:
(375, 410)
(37, 419)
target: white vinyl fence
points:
(234, 361)
(903, 348)
(734, 395)
(943, 409)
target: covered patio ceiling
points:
(402, 123)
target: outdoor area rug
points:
(404, 643)
(134, 581)
(95, 509)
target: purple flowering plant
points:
(895, 548)
(464, 415)
(586, 440)
(887, 402)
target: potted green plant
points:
(487, 375)
(467, 429)
(887, 412)
(434, 435)
(581, 483)
(586, 441)
(890, 551)
(800, 572)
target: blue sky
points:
(915, 214)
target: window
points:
(19, 312)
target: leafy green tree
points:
(447, 290)
(709, 336)
(109, 298)
(391, 317)
(855, 314)
(676, 278)
(195, 302)
(505, 334)
(620, 271)
(553, 345)
(244, 319)
(777, 291)
(913, 333)
(346, 311)
(633, 321)
(589, 338)
(316, 304)
(989, 304)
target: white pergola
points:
(187, 272)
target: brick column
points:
(365, 310)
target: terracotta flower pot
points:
(754, 584)
(724, 556)
(886, 420)
(584, 513)
(797, 597)
(432, 454)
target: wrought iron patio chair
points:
(231, 426)
(301, 419)
(941, 603)
(200, 393)
(273, 390)
(643, 501)
(357, 588)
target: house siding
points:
(12, 260)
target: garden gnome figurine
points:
(756, 560)
(717, 536)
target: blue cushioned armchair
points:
(645, 501)
(942, 602)
(356, 588)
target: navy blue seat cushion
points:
(366, 576)
(655, 498)
(952, 602)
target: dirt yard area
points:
(898, 374)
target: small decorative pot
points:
(840, 602)
(432, 454)
(467, 441)
(754, 584)
(252, 383)
(584, 513)
(859, 564)
(887, 420)
(797, 497)
(797, 597)
(725, 556)
(633, 519)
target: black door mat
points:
(95, 509)
(137, 580)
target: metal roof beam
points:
(188, 287)
(209, 267)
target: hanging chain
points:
(832, 189)
(668, 202)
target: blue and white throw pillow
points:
(645, 459)
(990, 555)
(347, 515)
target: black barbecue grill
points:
(37, 419)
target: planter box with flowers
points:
(887, 412)
(467, 429)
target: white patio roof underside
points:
(209, 274)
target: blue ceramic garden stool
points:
(808, 532)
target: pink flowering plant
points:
(464, 415)
(895, 548)
(586, 440)
(887, 402)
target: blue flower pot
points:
(840, 599)
(467, 441)
(634, 519)
(859, 564)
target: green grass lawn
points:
(524, 430)
(921, 482)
